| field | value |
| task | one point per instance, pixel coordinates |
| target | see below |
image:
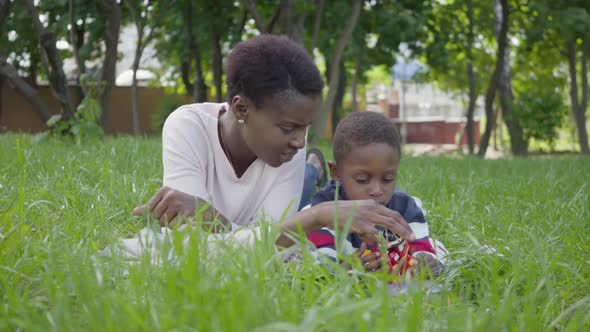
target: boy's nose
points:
(375, 190)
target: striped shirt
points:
(407, 206)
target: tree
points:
(458, 53)
(192, 42)
(263, 25)
(52, 63)
(495, 79)
(566, 26)
(517, 142)
(540, 77)
(471, 79)
(322, 116)
(142, 14)
(579, 106)
(11, 73)
(112, 12)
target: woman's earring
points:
(241, 121)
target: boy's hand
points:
(372, 261)
(426, 264)
(363, 216)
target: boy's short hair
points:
(363, 128)
(269, 65)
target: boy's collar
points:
(341, 191)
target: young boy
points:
(367, 154)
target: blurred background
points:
(472, 75)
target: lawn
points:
(61, 203)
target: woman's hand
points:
(170, 206)
(363, 216)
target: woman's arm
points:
(184, 158)
(170, 206)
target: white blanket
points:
(158, 243)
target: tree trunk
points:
(323, 114)
(237, 36)
(52, 63)
(112, 12)
(578, 109)
(259, 21)
(291, 24)
(2, 80)
(185, 68)
(354, 83)
(518, 144)
(10, 73)
(470, 125)
(317, 23)
(340, 91)
(581, 118)
(76, 40)
(134, 94)
(4, 9)
(217, 65)
(199, 86)
(493, 85)
(29, 93)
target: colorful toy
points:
(399, 258)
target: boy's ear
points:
(333, 170)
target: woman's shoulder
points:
(202, 112)
(192, 117)
(193, 124)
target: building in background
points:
(423, 113)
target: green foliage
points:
(84, 126)
(166, 106)
(23, 52)
(541, 115)
(61, 203)
(378, 75)
(18, 41)
(449, 45)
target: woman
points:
(246, 158)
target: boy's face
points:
(368, 172)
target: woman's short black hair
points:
(364, 128)
(267, 65)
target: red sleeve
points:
(322, 238)
(421, 245)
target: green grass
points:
(61, 203)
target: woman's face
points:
(278, 129)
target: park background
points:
(506, 80)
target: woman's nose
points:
(298, 142)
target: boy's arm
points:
(422, 248)
(325, 242)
